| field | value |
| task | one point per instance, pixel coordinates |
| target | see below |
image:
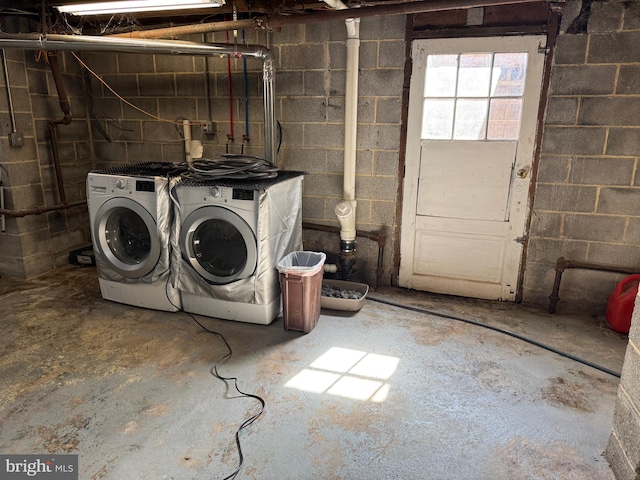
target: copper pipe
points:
(65, 120)
(41, 210)
(274, 22)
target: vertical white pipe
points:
(351, 119)
(186, 126)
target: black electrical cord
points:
(499, 330)
(215, 373)
(279, 135)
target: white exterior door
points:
(470, 145)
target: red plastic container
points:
(621, 303)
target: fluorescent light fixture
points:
(132, 6)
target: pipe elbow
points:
(346, 214)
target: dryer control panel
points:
(228, 196)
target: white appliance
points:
(229, 236)
(130, 215)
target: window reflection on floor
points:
(348, 373)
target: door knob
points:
(523, 172)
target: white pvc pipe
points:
(336, 4)
(346, 210)
(186, 126)
(350, 128)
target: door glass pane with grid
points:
(473, 96)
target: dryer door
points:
(219, 245)
(126, 236)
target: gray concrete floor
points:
(384, 393)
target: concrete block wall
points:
(311, 110)
(623, 449)
(587, 199)
(310, 88)
(36, 244)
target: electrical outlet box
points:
(16, 139)
(209, 128)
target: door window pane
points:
(509, 70)
(471, 120)
(475, 75)
(220, 248)
(474, 96)
(504, 118)
(437, 120)
(440, 80)
(128, 237)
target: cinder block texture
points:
(631, 17)
(605, 17)
(634, 333)
(546, 224)
(623, 141)
(583, 80)
(571, 50)
(628, 80)
(621, 47)
(568, 198)
(597, 228)
(615, 111)
(619, 201)
(630, 376)
(602, 170)
(553, 169)
(627, 256)
(617, 459)
(562, 111)
(573, 140)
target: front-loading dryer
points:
(131, 218)
(229, 236)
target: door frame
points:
(411, 35)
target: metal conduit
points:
(56, 42)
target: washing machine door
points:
(219, 245)
(126, 236)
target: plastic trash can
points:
(301, 285)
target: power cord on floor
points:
(499, 330)
(215, 373)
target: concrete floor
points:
(385, 393)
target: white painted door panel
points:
(465, 179)
(466, 182)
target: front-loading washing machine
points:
(227, 239)
(131, 215)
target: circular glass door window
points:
(127, 236)
(219, 245)
(219, 248)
